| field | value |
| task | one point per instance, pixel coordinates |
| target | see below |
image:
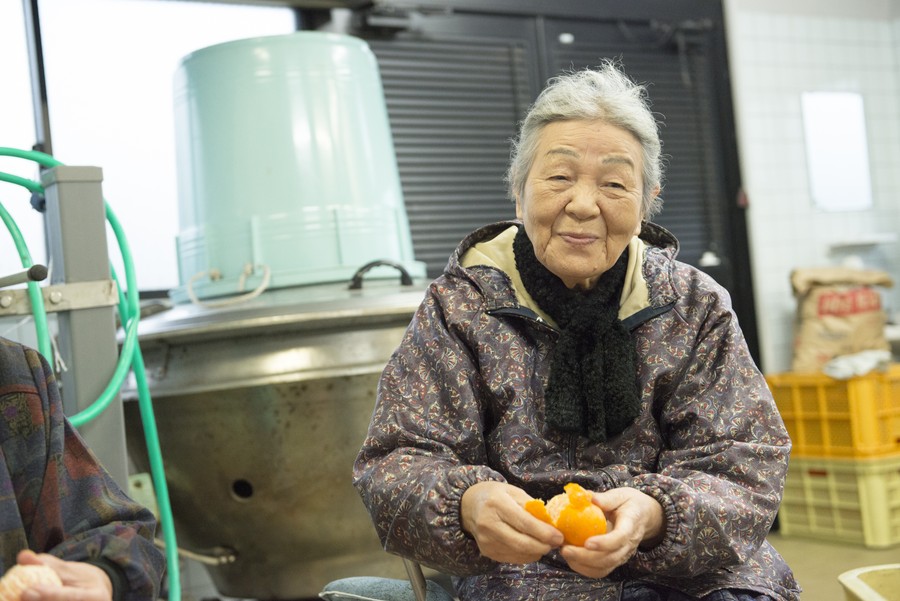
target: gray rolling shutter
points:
(453, 106)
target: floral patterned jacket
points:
(54, 495)
(461, 401)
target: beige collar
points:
(498, 252)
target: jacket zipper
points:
(571, 450)
(529, 315)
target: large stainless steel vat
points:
(261, 410)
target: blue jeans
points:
(369, 588)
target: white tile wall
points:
(777, 51)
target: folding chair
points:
(416, 579)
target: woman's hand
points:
(635, 519)
(493, 513)
(81, 581)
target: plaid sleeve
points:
(69, 505)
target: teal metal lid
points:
(286, 167)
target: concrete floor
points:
(817, 564)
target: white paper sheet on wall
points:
(837, 155)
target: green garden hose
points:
(130, 357)
(34, 291)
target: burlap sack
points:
(839, 312)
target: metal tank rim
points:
(311, 307)
(324, 36)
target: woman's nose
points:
(583, 202)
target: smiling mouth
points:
(579, 239)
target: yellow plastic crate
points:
(849, 500)
(854, 418)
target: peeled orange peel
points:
(572, 512)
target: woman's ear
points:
(518, 207)
(654, 194)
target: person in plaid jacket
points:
(58, 505)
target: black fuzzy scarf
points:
(593, 388)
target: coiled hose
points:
(130, 357)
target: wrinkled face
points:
(582, 200)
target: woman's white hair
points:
(606, 94)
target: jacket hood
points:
(486, 258)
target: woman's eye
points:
(617, 185)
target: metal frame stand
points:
(79, 259)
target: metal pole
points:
(38, 79)
(76, 222)
(416, 579)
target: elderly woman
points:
(571, 346)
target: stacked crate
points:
(843, 481)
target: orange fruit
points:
(572, 512)
(20, 577)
